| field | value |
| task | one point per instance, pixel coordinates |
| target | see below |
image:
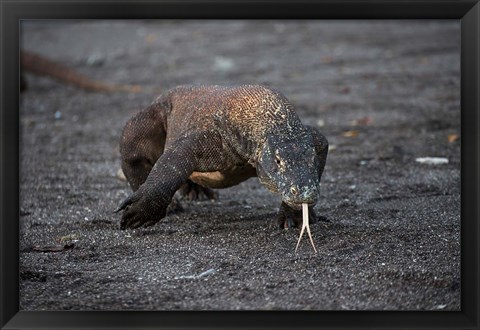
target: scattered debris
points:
(352, 133)
(71, 237)
(211, 271)
(34, 276)
(56, 248)
(95, 60)
(397, 154)
(453, 137)
(362, 121)
(24, 213)
(223, 64)
(432, 160)
(344, 90)
(150, 38)
(327, 59)
(424, 60)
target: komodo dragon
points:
(216, 137)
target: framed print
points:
(161, 162)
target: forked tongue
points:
(305, 225)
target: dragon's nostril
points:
(293, 190)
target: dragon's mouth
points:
(297, 205)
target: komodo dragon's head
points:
(290, 166)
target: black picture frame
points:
(468, 11)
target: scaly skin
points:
(217, 137)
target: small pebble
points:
(223, 64)
(432, 160)
(211, 271)
(95, 60)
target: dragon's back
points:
(251, 109)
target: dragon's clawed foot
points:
(141, 209)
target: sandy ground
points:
(384, 93)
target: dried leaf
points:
(453, 137)
(362, 121)
(351, 134)
(57, 248)
(150, 38)
(135, 88)
(327, 59)
(424, 60)
(71, 237)
(344, 90)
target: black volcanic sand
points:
(384, 93)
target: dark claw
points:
(149, 224)
(136, 225)
(323, 219)
(289, 223)
(192, 191)
(125, 203)
(127, 220)
(174, 206)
